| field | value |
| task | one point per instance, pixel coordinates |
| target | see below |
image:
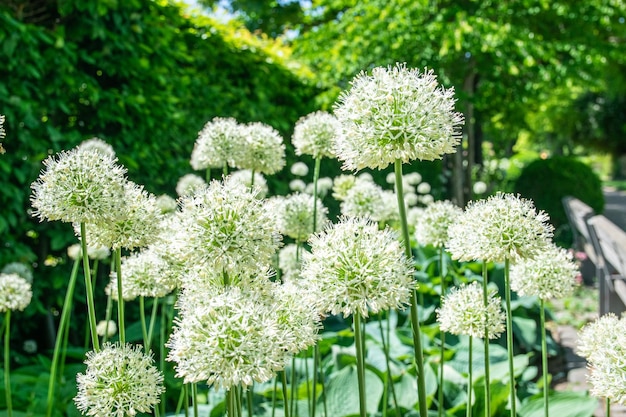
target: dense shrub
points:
(547, 181)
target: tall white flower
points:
(299, 169)
(396, 113)
(295, 216)
(80, 186)
(98, 145)
(244, 176)
(189, 184)
(19, 268)
(263, 151)
(550, 274)
(357, 268)
(15, 292)
(504, 226)
(463, 311)
(315, 134)
(432, 223)
(217, 144)
(120, 381)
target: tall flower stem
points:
(486, 341)
(153, 314)
(544, 357)
(607, 408)
(389, 378)
(249, 399)
(63, 325)
(509, 333)
(91, 309)
(360, 363)
(442, 336)
(120, 298)
(417, 336)
(7, 362)
(469, 381)
(285, 398)
(194, 398)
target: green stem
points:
(142, 318)
(387, 363)
(285, 397)
(509, 334)
(91, 309)
(294, 387)
(155, 305)
(164, 305)
(107, 317)
(360, 363)
(417, 337)
(120, 298)
(7, 362)
(306, 378)
(486, 342)
(194, 398)
(544, 358)
(316, 369)
(469, 381)
(442, 350)
(63, 327)
(607, 407)
(250, 401)
(207, 175)
(274, 396)
(316, 174)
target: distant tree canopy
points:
(140, 74)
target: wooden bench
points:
(577, 214)
(609, 243)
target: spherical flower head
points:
(596, 337)
(356, 268)
(259, 184)
(228, 338)
(79, 186)
(227, 228)
(137, 228)
(412, 178)
(315, 134)
(75, 252)
(463, 311)
(120, 381)
(550, 274)
(295, 216)
(290, 262)
(144, 274)
(297, 185)
(396, 113)
(15, 292)
(363, 199)
(423, 188)
(432, 223)
(2, 133)
(504, 226)
(264, 150)
(189, 184)
(166, 204)
(19, 268)
(341, 185)
(297, 315)
(106, 327)
(217, 143)
(98, 145)
(479, 187)
(299, 169)
(324, 185)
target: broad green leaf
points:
(567, 403)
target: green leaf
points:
(342, 397)
(567, 403)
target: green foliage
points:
(547, 181)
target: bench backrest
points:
(578, 213)
(612, 242)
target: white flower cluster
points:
(255, 182)
(432, 223)
(15, 292)
(215, 146)
(396, 113)
(603, 344)
(98, 145)
(315, 134)
(463, 311)
(295, 215)
(550, 274)
(503, 226)
(362, 197)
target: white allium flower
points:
(315, 134)
(98, 145)
(479, 187)
(396, 113)
(366, 176)
(137, 228)
(363, 199)
(391, 178)
(263, 151)
(412, 178)
(426, 199)
(410, 199)
(106, 327)
(504, 226)
(341, 185)
(120, 381)
(324, 185)
(19, 268)
(431, 226)
(227, 228)
(297, 185)
(30, 346)
(166, 204)
(295, 216)
(227, 338)
(217, 145)
(423, 188)
(356, 268)
(550, 274)
(144, 274)
(299, 169)
(75, 252)
(297, 315)
(189, 184)
(15, 292)
(290, 262)
(463, 311)
(244, 176)
(603, 343)
(79, 186)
